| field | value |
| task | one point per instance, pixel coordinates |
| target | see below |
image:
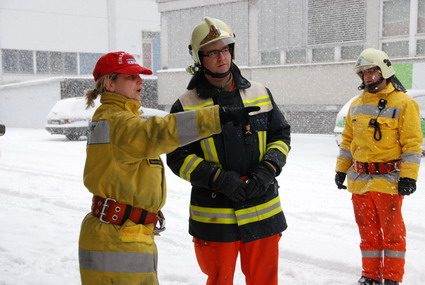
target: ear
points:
(108, 85)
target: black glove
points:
(339, 180)
(406, 186)
(237, 115)
(260, 178)
(230, 184)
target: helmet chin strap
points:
(217, 75)
(374, 86)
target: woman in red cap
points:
(125, 174)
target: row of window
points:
(47, 62)
(335, 28)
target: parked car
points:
(2, 129)
(417, 94)
(71, 118)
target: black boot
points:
(390, 282)
(369, 281)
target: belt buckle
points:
(104, 207)
(161, 221)
(396, 165)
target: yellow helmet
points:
(371, 57)
(208, 31)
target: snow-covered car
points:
(71, 118)
(417, 94)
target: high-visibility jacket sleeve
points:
(197, 170)
(278, 138)
(140, 138)
(344, 159)
(410, 140)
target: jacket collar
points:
(123, 102)
(206, 90)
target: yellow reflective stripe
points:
(280, 145)
(259, 101)
(212, 215)
(189, 165)
(206, 104)
(259, 212)
(262, 137)
(209, 150)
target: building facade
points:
(45, 38)
(44, 43)
(303, 50)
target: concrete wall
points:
(310, 95)
(26, 105)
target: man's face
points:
(372, 75)
(217, 57)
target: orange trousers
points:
(383, 235)
(259, 260)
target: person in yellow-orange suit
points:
(380, 155)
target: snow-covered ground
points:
(43, 202)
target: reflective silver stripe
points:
(99, 132)
(372, 253)
(390, 177)
(394, 254)
(345, 153)
(372, 110)
(212, 215)
(412, 157)
(129, 262)
(186, 127)
(189, 165)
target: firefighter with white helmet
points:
(232, 174)
(380, 156)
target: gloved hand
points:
(237, 115)
(339, 179)
(230, 184)
(406, 186)
(260, 178)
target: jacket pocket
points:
(131, 232)
(259, 122)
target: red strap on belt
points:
(377, 167)
(110, 211)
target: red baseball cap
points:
(119, 62)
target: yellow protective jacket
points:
(401, 140)
(123, 163)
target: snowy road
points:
(44, 201)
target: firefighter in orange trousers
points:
(125, 174)
(380, 156)
(235, 205)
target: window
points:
(270, 58)
(323, 54)
(400, 48)
(296, 56)
(351, 52)
(147, 48)
(88, 61)
(421, 16)
(17, 61)
(396, 18)
(336, 21)
(50, 62)
(420, 47)
(147, 55)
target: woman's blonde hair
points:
(92, 94)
